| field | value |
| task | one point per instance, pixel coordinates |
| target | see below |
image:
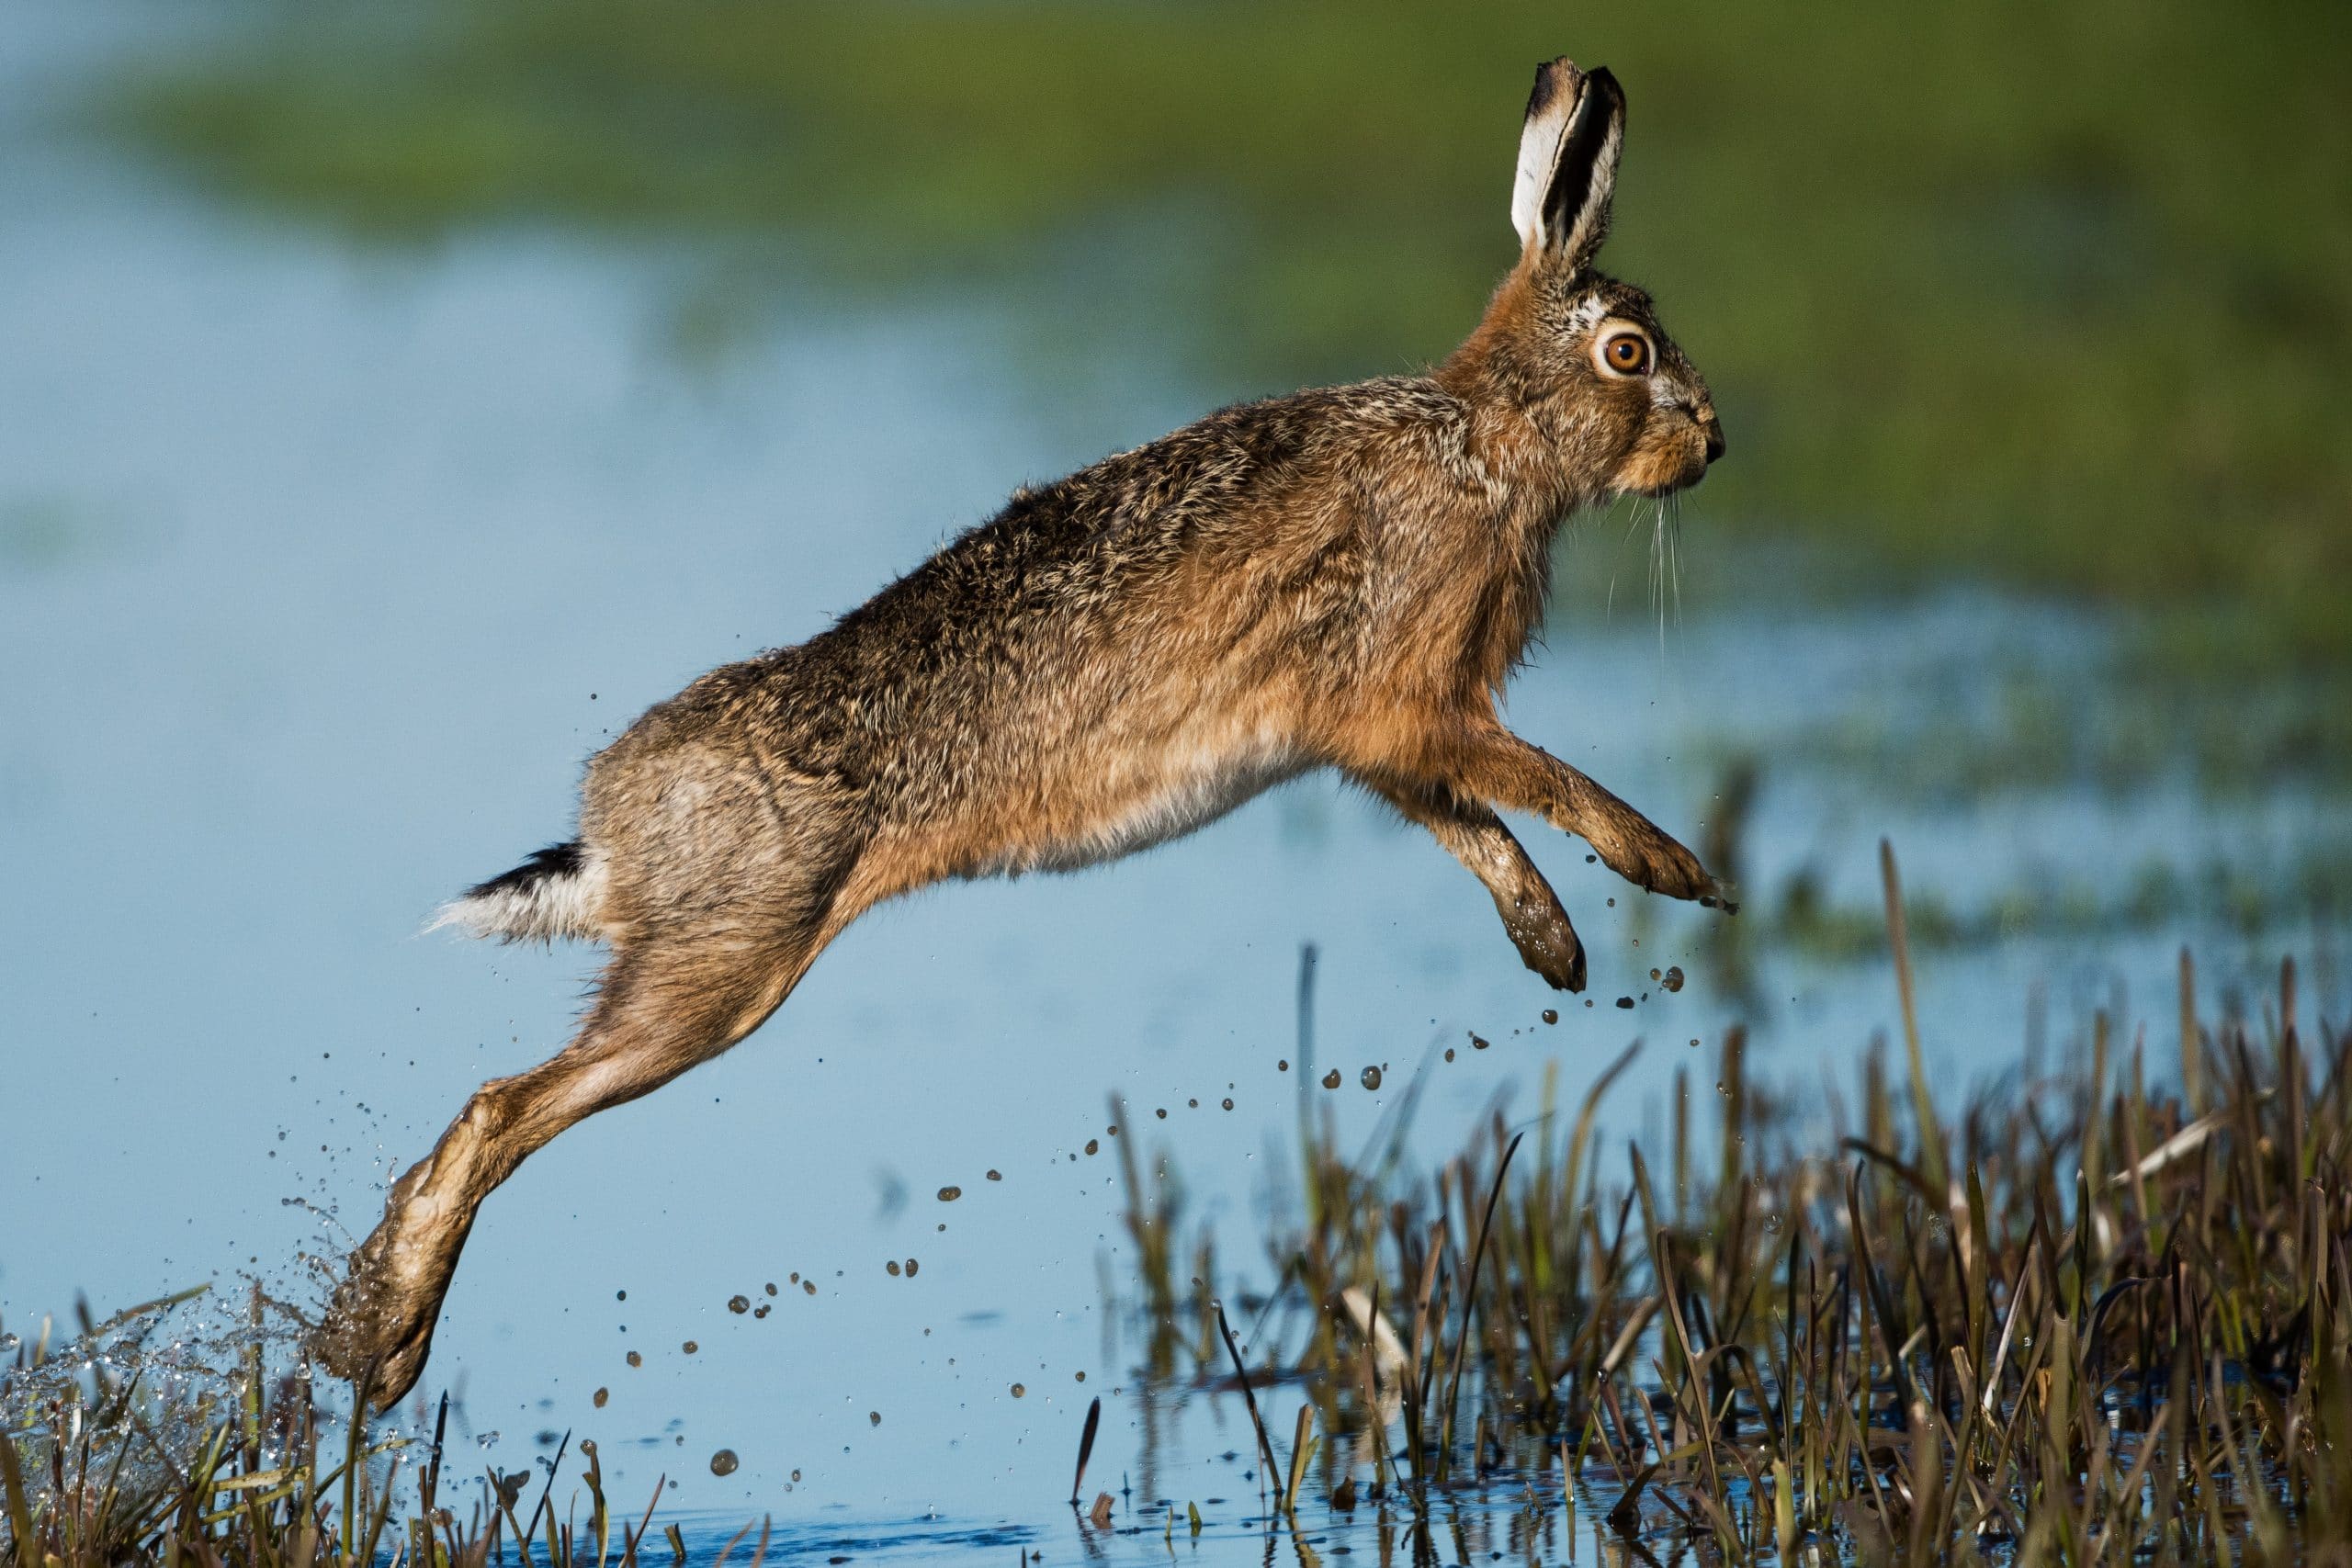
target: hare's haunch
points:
(1341, 579)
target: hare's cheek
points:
(1664, 459)
(1648, 470)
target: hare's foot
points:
(1495, 765)
(1547, 941)
(379, 1325)
(1647, 856)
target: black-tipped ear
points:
(1568, 162)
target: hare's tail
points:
(558, 892)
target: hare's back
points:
(1113, 621)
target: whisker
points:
(1658, 568)
(1674, 554)
(1633, 520)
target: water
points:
(322, 569)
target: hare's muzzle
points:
(1674, 454)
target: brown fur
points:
(1342, 577)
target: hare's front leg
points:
(1473, 835)
(1493, 764)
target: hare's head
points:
(1582, 354)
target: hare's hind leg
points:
(667, 1001)
(1473, 834)
(1496, 765)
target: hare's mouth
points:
(1672, 461)
(1659, 474)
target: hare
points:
(1339, 578)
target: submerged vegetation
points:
(2054, 294)
(2089, 1316)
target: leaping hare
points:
(1339, 578)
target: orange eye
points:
(1628, 353)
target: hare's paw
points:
(378, 1325)
(1645, 855)
(1547, 941)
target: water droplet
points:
(1624, 1001)
(771, 1287)
(1550, 1015)
(1161, 1113)
(723, 1462)
(874, 1418)
(739, 1304)
(1281, 1066)
(635, 1359)
(1477, 1043)
(1018, 1390)
(996, 1176)
(1331, 1079)
(1449, 1053)
(1093, 1146)
(691, 1347)
(603, 1394)
(892, 1265)
(949, 1194)
(1371, 1079)
(1673, 979)
(912, 1267)
(809, 1286)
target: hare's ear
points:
(1568, 162)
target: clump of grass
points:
(161, 1436)
(2088, 1317)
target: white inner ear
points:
(1584, 223)
(1538, 159)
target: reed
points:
(154, 1438)
(2092, 1317)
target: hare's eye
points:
(1628, 353)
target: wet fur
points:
(1342, 577)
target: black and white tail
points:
(558, 892)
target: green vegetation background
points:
(2059, 294)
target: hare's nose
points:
(1711, 428)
